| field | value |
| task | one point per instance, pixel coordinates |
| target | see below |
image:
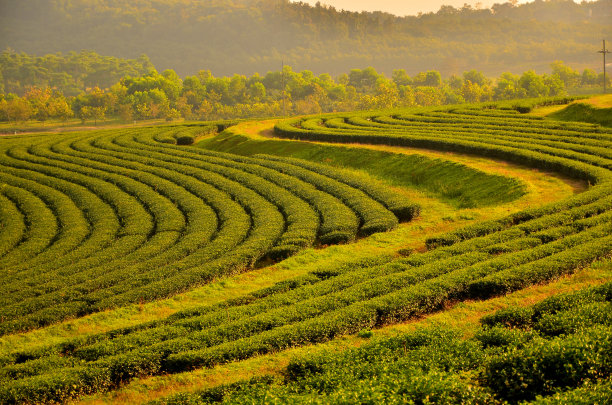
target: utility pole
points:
(604, 51)
(283, 86)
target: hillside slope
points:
(244, 36)
(485, 259)
(597, 110)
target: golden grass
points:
(546, 110)
(256, 129)
(603, 101)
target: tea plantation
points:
(98, 220)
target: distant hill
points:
(72, 73)
(246, 36)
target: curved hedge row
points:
(558, 351)
(95, 220)
(478, 261)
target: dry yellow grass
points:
(603, 101)
(599, 101)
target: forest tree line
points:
(71, 73)
(203, 96)
(247, 36)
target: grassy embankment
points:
(594, 110)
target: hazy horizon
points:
(189, 36)
(403, 8)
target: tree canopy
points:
(204, 96)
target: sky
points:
(404, 7)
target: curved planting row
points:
(92, 221)
(558, 351)
(478, 261)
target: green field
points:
(130, 255)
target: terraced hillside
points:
(555, 352)
(531, 246)
(94, 221)
(186, 197)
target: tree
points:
(401, 78)
(364, 80)
(18, 109)
(307, 106)
(366, 102)
(337, 93)
(406, 96)
(96, 101)
(428, 96)
(58, 107)
(85, 113)
(476, 77)
(273, 81)
(471, 92)
(343, 79)
(98, 114)
(589, 77)
(555, 85)
(257, 91)
(387, 95)
(237, 89)
(94, 113)
(532, 84)
(125, 112)
(431, 78)
(569, 76)
(184, 108)
(506, 87)
(600, 79)
(326, 80)
(193, 86)
(68, 73)
(39, 99)
(455, 82)
(172, 114)
(171, 84)
(452, 97)
(205, 110)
